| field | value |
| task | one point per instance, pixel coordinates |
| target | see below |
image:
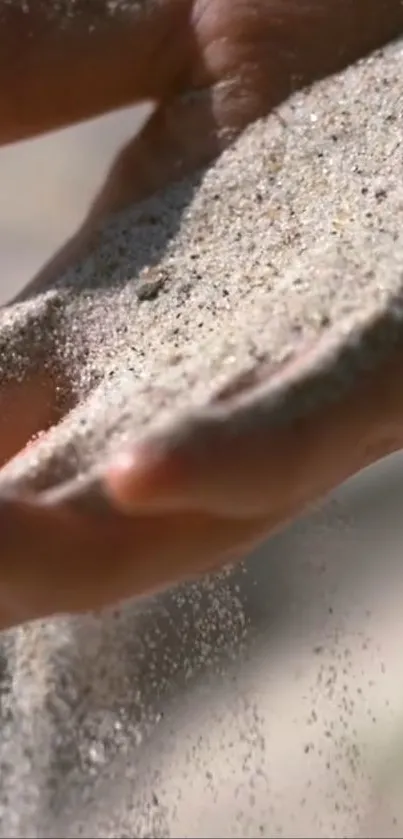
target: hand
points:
(161, 515)
(212, 66)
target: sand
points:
(295, 230)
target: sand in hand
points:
(294, 233)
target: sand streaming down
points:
(294, 229)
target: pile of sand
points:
(294, 229)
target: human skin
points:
(212, 66)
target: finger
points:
(60, 65)
(177, 139)
(189, 131)
(35, 389)
(54, 559)
(26, 410)
(272, 471)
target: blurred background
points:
(47, 185)
(285, 715)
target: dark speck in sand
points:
(150, 287)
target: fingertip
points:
(143, 477)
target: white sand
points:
(294, 229)
(84, 749)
